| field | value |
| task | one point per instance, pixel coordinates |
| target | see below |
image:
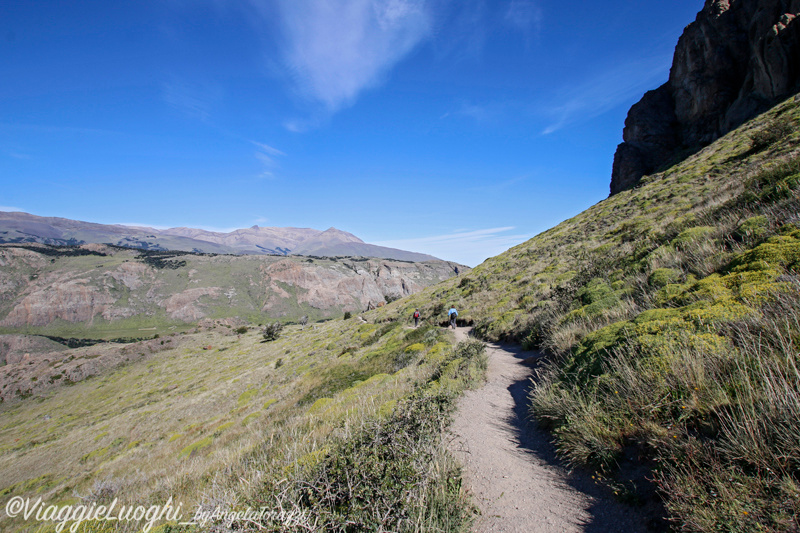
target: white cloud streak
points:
(267, 149)
(267, 154)
(466, 247)
(10, 209)
(606, 91)
(478, 112)
(195, 101)
(525, 16)
(336, 49)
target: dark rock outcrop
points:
(736, 60)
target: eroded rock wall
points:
(737, 59)
(37, 290)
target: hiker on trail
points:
(416, 317)
(453, 314)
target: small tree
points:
(272, 331)
(348, 315)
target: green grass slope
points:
(228, 420)
(672, 312)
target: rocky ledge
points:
(736, 60)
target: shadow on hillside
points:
(607, 514)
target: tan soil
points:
(510, 466)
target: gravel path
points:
(510, 466)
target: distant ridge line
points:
(20, 227)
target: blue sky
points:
(453, 127)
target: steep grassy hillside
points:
(230, 421)
(672, 312)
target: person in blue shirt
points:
(453, 314)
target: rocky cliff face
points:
(101, 287)
(737, 59)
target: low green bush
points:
(752, 229)
(272, 331)
(393, 474)
(768, 135)
(661, 277)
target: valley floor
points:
(510, 466)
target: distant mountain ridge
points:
(18, 227)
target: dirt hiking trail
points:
(510, 466)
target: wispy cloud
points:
(525, 16)
(601, 93)
(194, 100)
(297, 126)
(141, 225)
(303, 125)
(338, 48)
(267, 154)
(267, 149)
(480, 113)
(466, 247)
(10, 209)
(462, 32)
